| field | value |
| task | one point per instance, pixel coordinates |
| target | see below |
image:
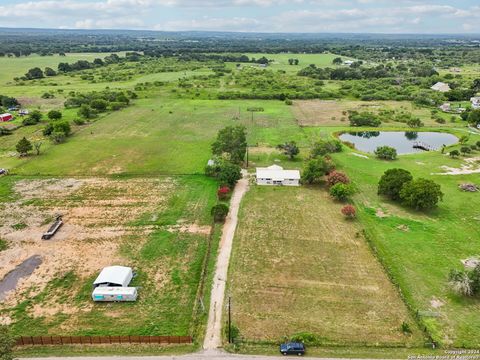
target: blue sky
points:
(358, 16)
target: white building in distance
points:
(475, 102)
(441, 86)
(276, 175)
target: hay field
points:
(298, 266)
(335, 112)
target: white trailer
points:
(114, 294)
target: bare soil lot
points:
(334, 112)
(298, 266)
(107, 222)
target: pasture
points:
(298, 266)
(280, 61)
(418, 249)
(155, 136)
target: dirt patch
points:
(380, 213)
(403, 227)
(191, 229)
(470, 166)
(360, 155)
(436, 303)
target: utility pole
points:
(229, 319)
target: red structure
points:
(6, 117)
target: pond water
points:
(403, 141)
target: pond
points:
(402, 141)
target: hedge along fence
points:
(92, 340)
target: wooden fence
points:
(67, 340)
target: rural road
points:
(206, 354)
(213, 336)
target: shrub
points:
(86, 112)
(219, 212)
(406, 328)
(225, 171)
(78, 121)
(454, 153)
(342, 192)
(336, 177)
(306, 338)
(54, 115)
(288, 102)
(392, 181)
(223, 192)
(364, 119)
(386, 153)
(24, 146)
(421, 194)
(316, 169)
(349, 211)
(414, 123)
(5, 131)
(324, 147)
(465, 150)
(7, 342)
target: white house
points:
(114, 276)
(348, 62)
(441, 86)
(475, 102)
(276, 175)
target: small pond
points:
(403, 141)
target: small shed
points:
(114, 276)
(6, 117)
(23, 112)
(114, 294)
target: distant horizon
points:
(253, 16)
(236, 32)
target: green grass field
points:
(421, 258)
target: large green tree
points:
(421, 194)
(24, 146)
(316, 169)
(392, 181)
(232, 141)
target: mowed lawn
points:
(299, 266)
(420, 249)
(156, 135)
